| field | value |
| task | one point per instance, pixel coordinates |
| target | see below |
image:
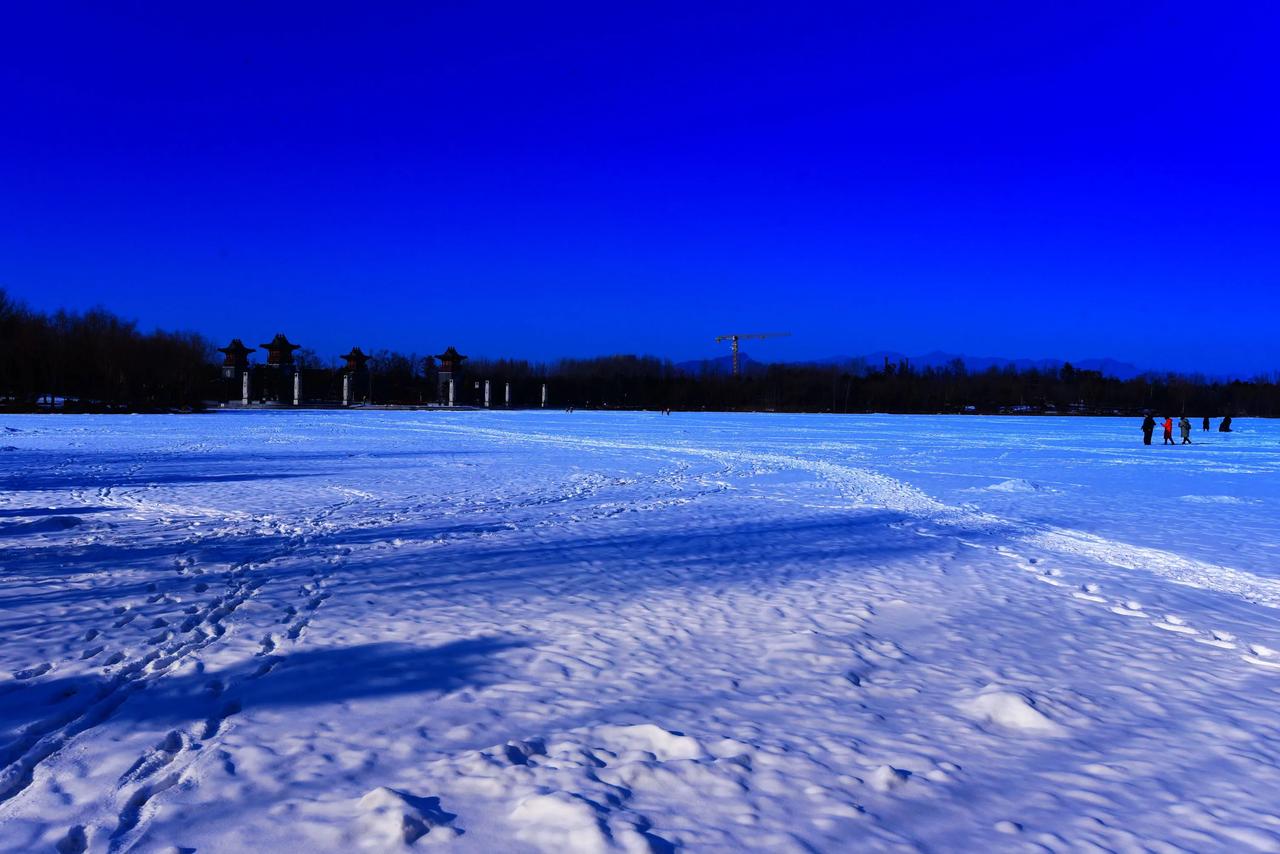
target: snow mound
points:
(665, 746)
(1010, 710)
(564, 821)
(887, 778)
(1017, 484)
(390, 818)
(581, 790)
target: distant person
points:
(1225, 426)
(1185, 426)
(1206, 424)
(1148, 427)
(1168, 431)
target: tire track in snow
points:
(869, 488)
(872, 489)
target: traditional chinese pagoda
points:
(237, 359)
(280, 351)
(355, 370)
(356, 361)
(448, 373)
(280, 378)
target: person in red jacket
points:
(1168, 431)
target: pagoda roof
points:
(450, 355)
(356, 359)
(280, 342)
(236, 348)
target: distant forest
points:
(97, 362)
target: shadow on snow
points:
(314, 677)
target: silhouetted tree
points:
(97, 361)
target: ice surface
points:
(537, 631)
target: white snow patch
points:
(887, 778)
(664, 745)
(564, 821)
(1213, 499)
(391, 818)
(1011, 710)
(296, 621)
(1017, 484)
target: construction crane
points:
(736, 338)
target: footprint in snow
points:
(1173, 623)
(75, 842)
(1263, 656)
(1089, 592)
(215, 724)
(1223, 640)
(1049, 576)
(1129, 609)
(32, 672)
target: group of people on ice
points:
(1149, 427)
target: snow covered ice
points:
(534, 631)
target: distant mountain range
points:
(936, 359)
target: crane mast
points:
(734, 339)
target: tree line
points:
(640, 382)
(96, 361)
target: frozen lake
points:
(545, 632)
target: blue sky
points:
(540, 180)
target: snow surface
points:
(535, 631)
